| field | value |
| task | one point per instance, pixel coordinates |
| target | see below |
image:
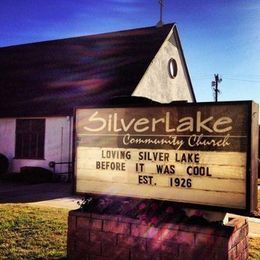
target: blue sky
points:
(220, 36)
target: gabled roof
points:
(51, 78)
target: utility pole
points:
(160, 23)
(214, 85)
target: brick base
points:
(94, 236)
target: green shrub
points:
(35, 175)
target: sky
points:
(218, 36)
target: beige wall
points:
(7, 137)
(156, 83)
(58, 143)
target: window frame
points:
(33, 131)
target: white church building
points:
(41, 84)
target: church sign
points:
(195, 154)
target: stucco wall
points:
(156, 83)
(58, 143)
(57, 146)
(7, 137)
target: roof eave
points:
(184, 61)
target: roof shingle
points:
(51, 78)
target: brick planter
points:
(94, 236)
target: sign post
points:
(202, 155)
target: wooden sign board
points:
(196, 154)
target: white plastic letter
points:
(99, 121)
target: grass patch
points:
(254, 248)
(29, 232)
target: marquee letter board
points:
(195, 154)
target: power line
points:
(245, 80)
(199, 76)
(244, 75)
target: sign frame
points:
(251, 154)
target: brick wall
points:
(94, 236)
